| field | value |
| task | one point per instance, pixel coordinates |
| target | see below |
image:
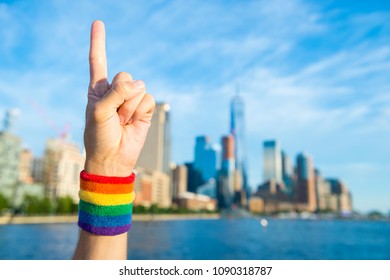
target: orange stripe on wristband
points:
(106, 188)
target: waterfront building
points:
(196, 202)
(305, 191)
(179, 180)
(152, 187)
(256, 205)
(340, 190)
(323, 192)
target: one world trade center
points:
(237, 129)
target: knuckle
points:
(122, 88)
(124, 76)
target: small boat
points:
(264, 223)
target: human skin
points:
(118, 117)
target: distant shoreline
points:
(58, 219)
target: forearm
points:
(98, 247)
(92, 246)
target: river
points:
(220, 239)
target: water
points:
(214, 239)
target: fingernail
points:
(138, 84)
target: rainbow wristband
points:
(106, 203)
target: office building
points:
(37, 169)
(340, 190)
(323, 192)
(225, 182)
(9, 163)
(196, 202)
(205, 158)
(305, 191)
(62, 164)
(194, 177)
(179, 180)
(152, 188)
(287, 173)
(272, 162)
(256, 205)
(237, 130)
(156, 153)
(25, 166)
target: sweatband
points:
(106, 203)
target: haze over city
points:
(314, 76)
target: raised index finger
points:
(97, 53)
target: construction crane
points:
(62, 133)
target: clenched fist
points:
(118, 115)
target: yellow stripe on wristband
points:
(106, 199)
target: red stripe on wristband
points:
(107, 180)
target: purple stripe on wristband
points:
(105, 230)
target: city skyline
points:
(312, 75)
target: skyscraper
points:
(156, 153)
(237, 129)
(323, 191)
(344, 200)
(205, 158)
(272, 161)
(287, 173)
(153, 179)
(225, 186)
(306, 192)
(194, 177)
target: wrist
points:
(109, 168)
(106, 203)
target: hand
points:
(118, 115)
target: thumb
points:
(119, 93)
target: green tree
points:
(35, 205)
(4, 203)
(139, 209)
(65, 205)
(375, 214)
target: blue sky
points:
(315, 76)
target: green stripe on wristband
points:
(105, 210)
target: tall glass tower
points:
(237, 129)
(205, 158)
(272, 161)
